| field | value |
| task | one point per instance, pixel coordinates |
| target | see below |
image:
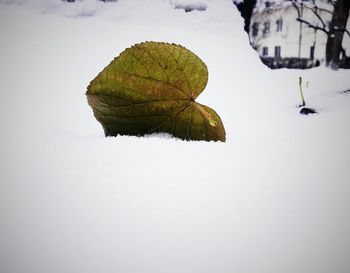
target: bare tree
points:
(336, 32)
(335, 53)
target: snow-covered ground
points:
(273, 198)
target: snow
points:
(273, 198)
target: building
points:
(282, 41)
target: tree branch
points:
(313, 8)
(296, 7)
(313, 26)
(343, 30)
(319, 17)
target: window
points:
(277, 52)
(312, 52)
(279, 24)
(255, 29)
(266, 27)
(265, 51)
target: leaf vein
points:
(181, 68)
(156, 80)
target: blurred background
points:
(298, 33)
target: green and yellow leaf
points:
(150, 88)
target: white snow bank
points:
(88, 8)
(79, 8)
(273, 198)
(190, 5)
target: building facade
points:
(282, 41)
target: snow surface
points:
(273, 198)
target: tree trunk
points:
(336, 33)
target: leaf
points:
(150, 88)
